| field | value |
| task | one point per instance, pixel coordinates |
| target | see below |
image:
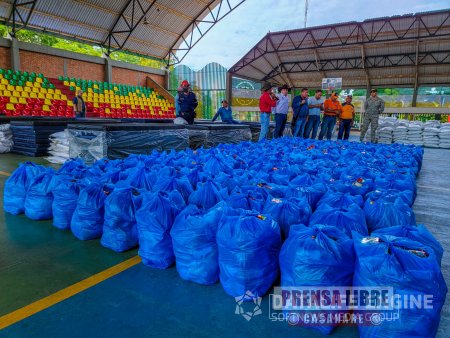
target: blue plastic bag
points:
(288, 211)
(207, 195)
(340, 200)
(88, 218)
(65, 197)
(248, 200)
(168, 184)
(194, 243)
(16, 187)
(141, 178)
(382, 213)
(318, 255)
(39, 200)
(312, 193)
(418, 233)
(391, 195)
(346, 219)
(248, 245)
(154, 220)
(411, 269)
(119, 228)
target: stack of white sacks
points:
(6, 141)
(415, 131)
(400, 134)
(432, 134)
(59, 147)
(444, 136)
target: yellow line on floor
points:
(4, 173)
(44, 303)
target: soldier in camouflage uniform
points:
(373, 107)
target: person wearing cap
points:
(187, 102)
(331, 109)
(346, 118)
(267, 101)
(373, 107)
(315, 105)
(281, 111)
(225, 113)
(301, 111)
(79, 106)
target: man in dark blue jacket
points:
(301, 112)
(187, 102)
(225, 113)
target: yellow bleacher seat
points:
(47, 101)
(38, 80)
(70, 103)
(78, 88)
(6, 93)
(29, 84)
(51, 91)
(72, 84)
(96, 105)
(19, 88)
(10, 106)
(35, 90)
(90, 90)
(13, 99)
(4, 82)
(66, 83)
(37, 84)
(10, 88)
(16, 94)
(45, 108)
(25, 94)
(96, 99)
(27, 89)
(64, 97)
(22, 100)
(95, 86)
(41, 96)
(107, 111)
(57, 91)
(49, 96)
(2, 87)
(33, 95)
(57, 97)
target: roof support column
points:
(229, 88)
(366, 72)
(108, 70)
(15, 54)
(416, 78)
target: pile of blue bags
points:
(323, 213)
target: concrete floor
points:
(37, 260)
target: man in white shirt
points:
(315, 107)
(281, 111)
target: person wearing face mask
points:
(187, 102)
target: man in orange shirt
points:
(346, 118)
(331, 109)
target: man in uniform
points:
(373, 107)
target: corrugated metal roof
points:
(382, 48)
(92, 21)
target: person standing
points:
(281, 111)
(177, 105)
(225, 113)
(346, 118)
(267, 101)
(373, 107)
(79, 106)
(187, 102)
(331, 109)
(301, 112)
(315, 105)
